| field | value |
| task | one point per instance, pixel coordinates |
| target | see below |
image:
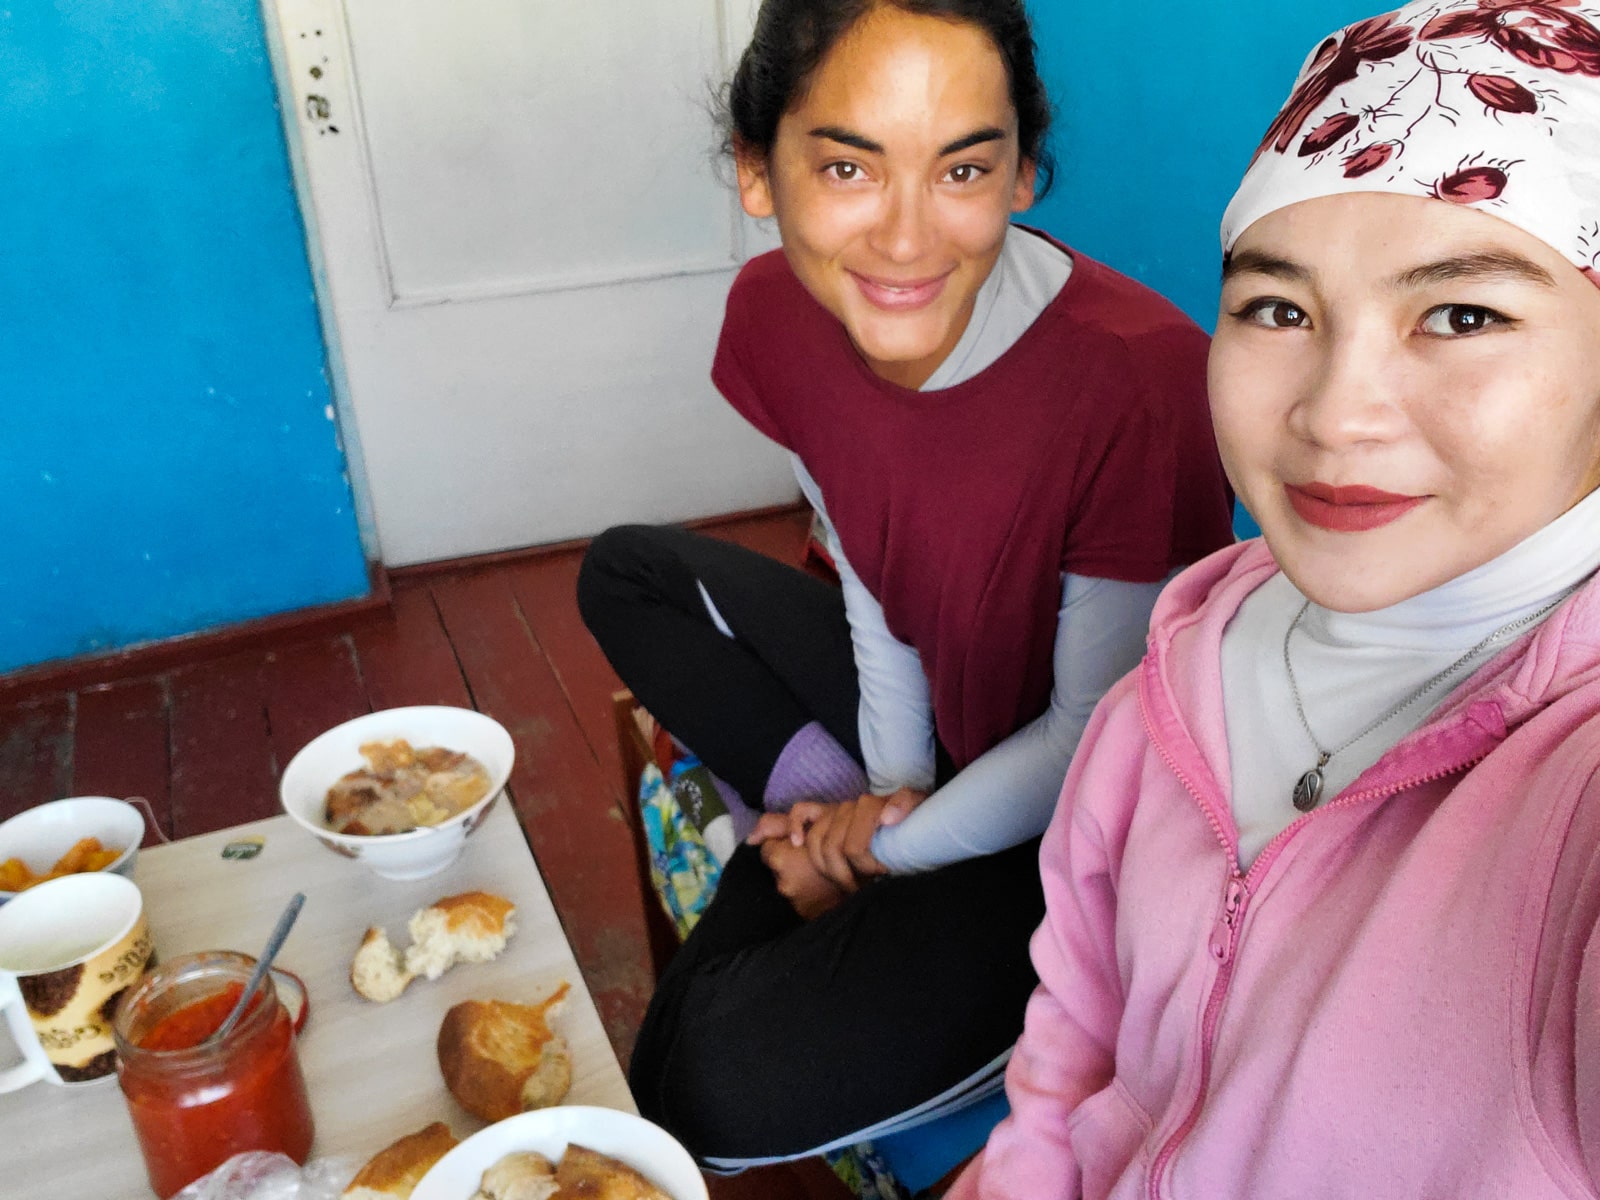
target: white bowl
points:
(646, 1148)
(303, 789)
(41, 835)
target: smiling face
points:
(1403, 389)
(893, 179)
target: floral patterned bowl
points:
(421, 852)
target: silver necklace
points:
(1308, 789)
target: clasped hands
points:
(820, 853)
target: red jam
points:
(193, 1024)
(195, 1103)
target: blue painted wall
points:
(1159, 106)
(168, 459)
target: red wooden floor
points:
(206, 743)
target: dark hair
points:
(792, 37)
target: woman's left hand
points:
(838, 838)
(835, 838)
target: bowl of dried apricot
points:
(68, 837)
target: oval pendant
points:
(1309, 790)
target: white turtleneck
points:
(1351, 667)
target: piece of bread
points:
(394, 1171)
(521, 1175)
(590, 1175)
(472, 927)
(499, 1059)
(378, 971)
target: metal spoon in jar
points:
(263, 964)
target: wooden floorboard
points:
(545, 592)
(561, 795)
(35, 752)
(222, 764)
(122, 747)
(309, 688)
(781, 536)
(408, 659)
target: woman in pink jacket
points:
(1324, 881)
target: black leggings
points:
(768, 1035)
(735, 702)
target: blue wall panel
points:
(1160, 105)
(168, 458)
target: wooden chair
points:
(636, 755)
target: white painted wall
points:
(525, 246)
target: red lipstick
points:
(1350, 509)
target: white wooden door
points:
(524, 244)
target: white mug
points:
(68, 950)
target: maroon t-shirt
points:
(1086, 447)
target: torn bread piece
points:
(595, 1176)
(378, 971)
(395, 1171)
(521, 1175)
(499, 1059)
(472, 927)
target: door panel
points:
(525, 247)
(501, 167)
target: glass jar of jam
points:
(196, 1103)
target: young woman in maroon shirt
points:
(1011, 446)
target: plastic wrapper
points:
(258, 1175)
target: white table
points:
(370, 1068)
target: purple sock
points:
(813, 766)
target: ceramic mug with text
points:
(69, 948)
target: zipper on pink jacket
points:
(1225, 932)
(1223, 943)
(1234, 898)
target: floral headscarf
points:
(1488, 103)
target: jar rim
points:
(225, 967)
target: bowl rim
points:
(365, 840)
(29, 815)
(472, 1146)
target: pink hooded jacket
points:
(1400, 997)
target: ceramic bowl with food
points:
(41, 837)
(334, 755)
(648, 1149)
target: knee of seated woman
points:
(622, 555)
